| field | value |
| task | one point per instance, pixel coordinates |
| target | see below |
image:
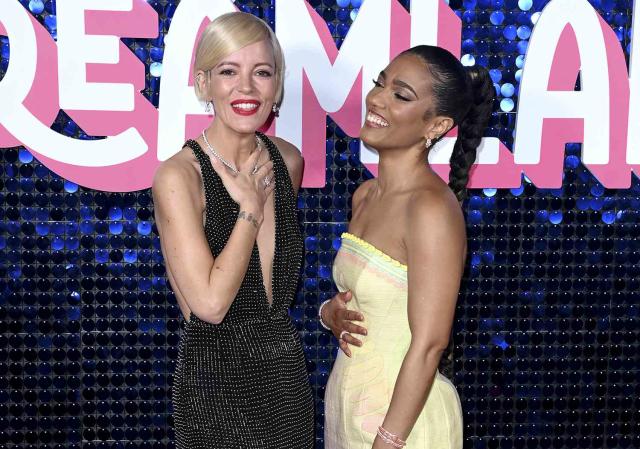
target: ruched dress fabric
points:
(359, 389)
(243, 383)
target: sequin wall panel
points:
(545, 342)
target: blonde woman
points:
(226, 214)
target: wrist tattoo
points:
(249, 217)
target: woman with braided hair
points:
(400, 264)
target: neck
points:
(234, 147)
(402, 170)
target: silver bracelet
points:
(324, 303)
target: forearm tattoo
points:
(249, 217)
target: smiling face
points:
(242, 87)
(400, 108)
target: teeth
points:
(376, 119)
(246, 106)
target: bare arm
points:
(435, 245)
(207, 286)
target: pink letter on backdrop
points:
(137, 173)
(42, 99)
(551, 113)
(616, 174)
(323, 81)
(134, 174)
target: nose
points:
(375, 98)
(245, 83)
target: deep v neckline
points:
(276, 198)
(271, 149)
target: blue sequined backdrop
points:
(545, 338)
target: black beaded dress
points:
(243, 383)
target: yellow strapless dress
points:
(359, 388)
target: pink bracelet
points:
(390, 438)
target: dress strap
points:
(286, 228)
(204, 161)
(283, 181)
(211, 182)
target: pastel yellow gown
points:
(360, 388)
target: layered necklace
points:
(226, 163)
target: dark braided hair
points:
(465, 95)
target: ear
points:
(202, 80)
(439, 126)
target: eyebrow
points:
(235, 64)
(400, 83)
(405, 85)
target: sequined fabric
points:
(243, 383)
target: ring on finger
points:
(342, 335)
(266, 181)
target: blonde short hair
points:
(229, 33)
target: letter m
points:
(319, 80)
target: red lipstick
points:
(245, 107)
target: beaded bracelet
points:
(320, 314)
(391, 438)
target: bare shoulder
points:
(361, 192)
(436, 209)
(290, 153)
(177, 172)
(292, 158)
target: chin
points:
(369, 138)
(246, 125)
(248, 129)
(365, 135)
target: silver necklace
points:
(229, 165)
